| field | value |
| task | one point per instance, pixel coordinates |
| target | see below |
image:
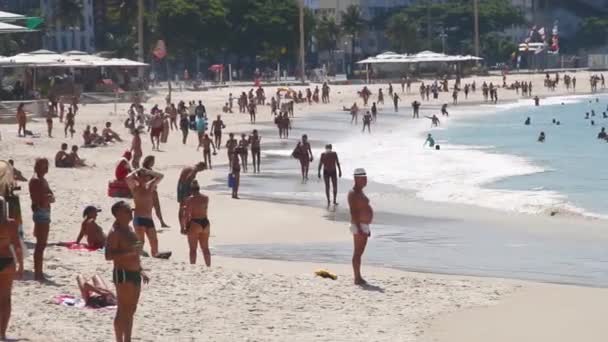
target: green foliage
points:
(456, 18)
(402, 34)
(592, 31)
(328, 33)
(68, 12)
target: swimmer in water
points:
(541, 137)
(592, 112)
(527, 123)
(602, 134)
(592, 123)
(604, 115)
(587, 116)
(429, 140)
(558, 123)
(554, 121)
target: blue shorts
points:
(146, 222)
(42, 216)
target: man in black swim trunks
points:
(216, 128)
(184, 190)
(123, 248)
(142, 183)
(329, 161)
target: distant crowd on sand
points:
(135, 179)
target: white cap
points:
(360, 172)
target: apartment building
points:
(61, 37)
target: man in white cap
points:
(361, 215)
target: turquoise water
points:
(573, 159)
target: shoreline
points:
(245, 299)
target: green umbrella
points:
(33, 22)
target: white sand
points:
(235, 300)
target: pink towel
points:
(76, 246)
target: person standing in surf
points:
(329, 162)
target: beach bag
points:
(297, 153)
(231, 181)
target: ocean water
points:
(488, 158)
(567, 172)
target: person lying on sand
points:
(95, 292)
(96, 239)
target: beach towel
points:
(69, 300)
(77, 246)
(74, 302)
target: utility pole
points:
(140, 36)
(302, 49)
(476, 23)
(428, 23)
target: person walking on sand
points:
(10, 248)
(186, 177)
(123, 248)
(207, 144)
(231, 146)
(254, 140)
(367, 122)
(216, 129)
(148, 164)
(142, 184)
(42, 197)
(329, 162)
(303, 153)
(416, 109)
(49, 120)
(196, 223)
(136, 151)
(235, 171)
(21, 119)
(396, 99)
(70, 120)
(184, 125)
(361, 216)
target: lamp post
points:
(140, 37)
(302, 49)
(443, 37)
(476, 24)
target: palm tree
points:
(328, 34)
(401, 33)
(353, 24)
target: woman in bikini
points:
(196, 224)
(95, 292)
(10, 249)
(21, 119)
(148, 163)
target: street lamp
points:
(443, 37)
(476, 24)
(302, 50)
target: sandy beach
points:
(243, 299)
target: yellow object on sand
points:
(326, 274)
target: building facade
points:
(61, 37)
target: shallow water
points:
(399, 166)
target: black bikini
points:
(203, 222)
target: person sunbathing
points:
(96, 239)
(109, 135)
(95, 292)
(62, 158)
